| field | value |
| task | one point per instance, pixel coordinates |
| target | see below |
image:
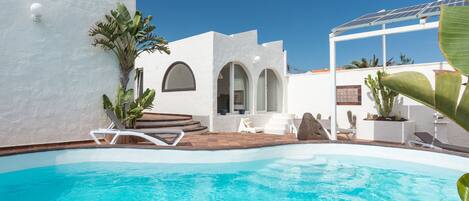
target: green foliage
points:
(126, 109)
(365, 63)
(383, 96)
(454, 36)
(127, 37)
(463, 187)
(405, 60)
(446, 98)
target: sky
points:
(303, 25)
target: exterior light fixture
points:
(256, 59)
(36, 12)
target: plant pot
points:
(242, 111)
(385, 131)
(223, 112)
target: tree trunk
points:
(124, 80)
(124, 76)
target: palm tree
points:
(127, 37)
(405, 60)
(364, 63)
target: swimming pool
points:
(290, 172)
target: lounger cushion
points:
(427, 138)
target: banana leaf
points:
(444, 98)
(463, 187)
(454, 36)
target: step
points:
(189, 126)
(152, 117)
(196, 131)
(165, 124)
(283, 116)
(278, 121)
(162, 123)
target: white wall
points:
(195, 51)
(311, 93)
(243, 48)
(51, 78)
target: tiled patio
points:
(235, 140)
(209, 141)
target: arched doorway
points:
(232, 89)
(269, 92)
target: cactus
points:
(383, 96)
(352, 119)
(318, 116)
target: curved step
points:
(165, 124)
(195, 131)
(154, 117)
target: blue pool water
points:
(316, 178)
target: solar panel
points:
(400, 14)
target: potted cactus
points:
(384, 126)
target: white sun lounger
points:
(245, 125)
(147, 134)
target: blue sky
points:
(303, 25)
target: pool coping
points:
(69, 146)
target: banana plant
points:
(446, 97)
(126, 109)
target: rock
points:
(311, 129)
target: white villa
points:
(211, 74)
(216, 78)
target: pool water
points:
(324, 177)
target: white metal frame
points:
(336, 37)
(117, 133)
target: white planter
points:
(385, 131)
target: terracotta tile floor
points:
(208, 141)
(235, 140)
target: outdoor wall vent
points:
(36, 12)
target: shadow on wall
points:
(424, 122)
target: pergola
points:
(421, 12)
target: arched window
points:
(178, 77)
(269, 92)
(233, 89)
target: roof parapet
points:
(247, 35)
(274, 44)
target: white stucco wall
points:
(207, 54)
(243, 48)
(311, 93)
(195, 51)
(51, 78)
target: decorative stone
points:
(311, 129)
